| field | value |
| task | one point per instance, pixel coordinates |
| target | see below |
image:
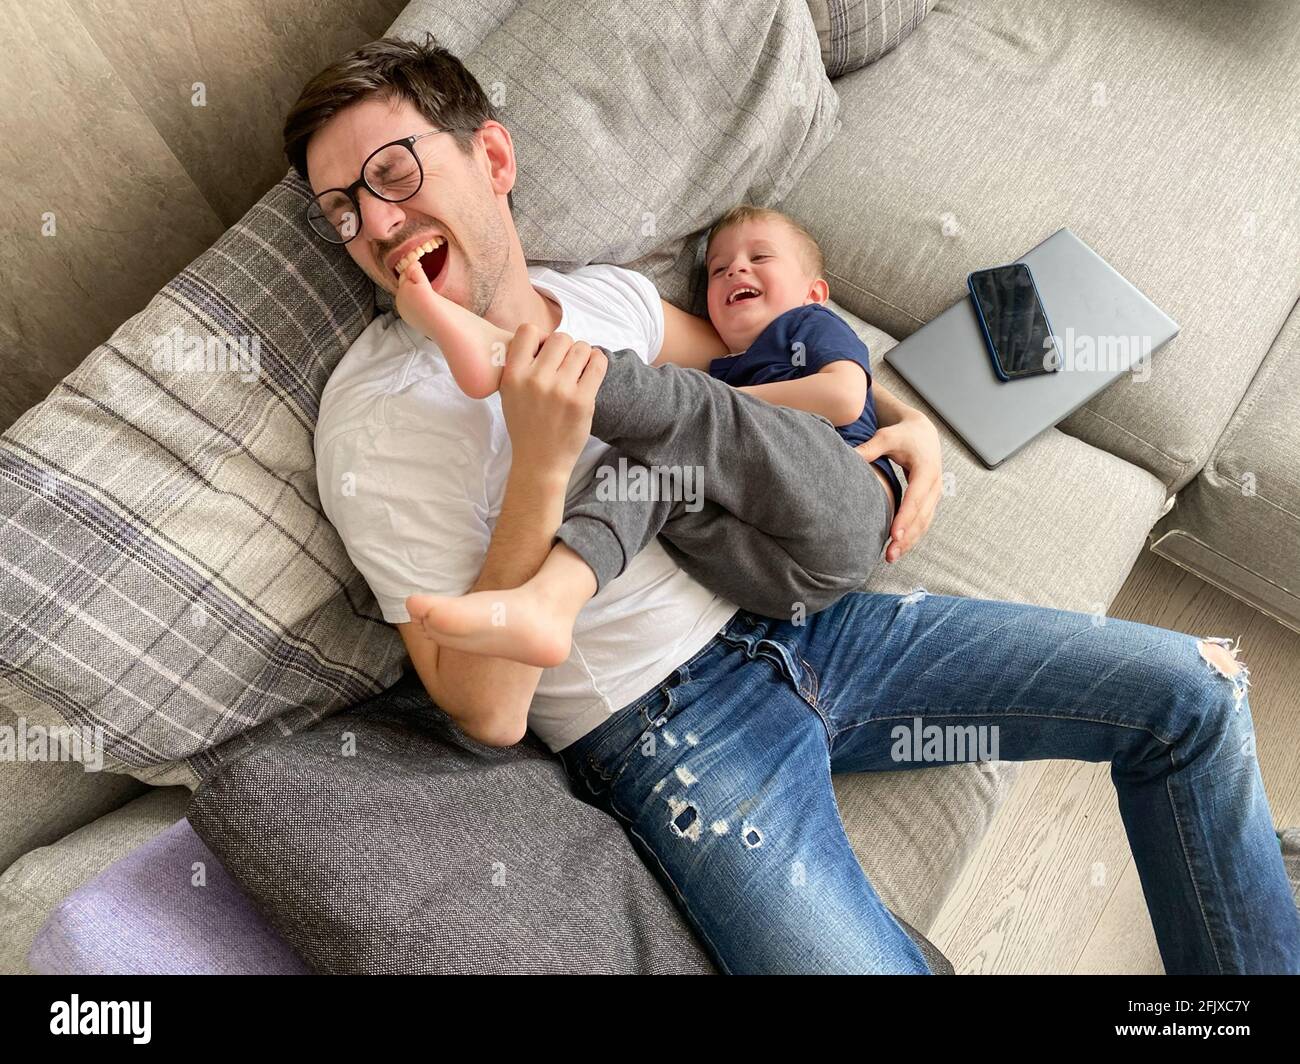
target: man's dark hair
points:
(428, 75)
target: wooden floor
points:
(1052, 888)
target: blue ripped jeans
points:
(722, 773)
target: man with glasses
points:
(434, 492)
(403, 153)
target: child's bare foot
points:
(519, 624)
(475, 349)
(532, 624)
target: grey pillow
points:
(853, 33)
(386, 841)
(166, 571)
(460, 28)
(637, 123)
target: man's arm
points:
(688, 341)
(890, 409)
(908, 437)
(489, 697)
(548, 402)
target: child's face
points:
(762, 255)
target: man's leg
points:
(783, 511)
(721, 776)
(1007, 681)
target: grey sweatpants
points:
(764, 505)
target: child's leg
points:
(757, 572)
(604, 529)
(619, 511)
(765, 505)
(532, 623)
(778, 495)
(682, 421)
(685, 424)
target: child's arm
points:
(688, 341)
(837, 391)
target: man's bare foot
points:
(521, 624)
(475, 349)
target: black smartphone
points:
(1013, 321)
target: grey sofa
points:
(1162, 132)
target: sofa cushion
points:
(636, 124)
(167, 908)
(147, 914)
(166, 570)
(1162, 133)
(412, 848)
(35, 883)
(460, 28)
(1238, 523)
(98, 210)
(248, 59)
(43, 800)
(853, 33)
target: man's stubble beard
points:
(493, 260)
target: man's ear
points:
(819, 291)
(500, 152)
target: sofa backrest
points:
(141, 133)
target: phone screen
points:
(1015, 325)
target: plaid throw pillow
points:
(853, 33)
(166, 572)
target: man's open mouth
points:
(433, 259)
(743, 293)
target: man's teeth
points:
(740, 292)
(405, 261)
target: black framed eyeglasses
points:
(392, 172)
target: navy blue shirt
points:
(819, 337)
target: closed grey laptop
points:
(1103, 327)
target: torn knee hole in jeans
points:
(1220, 656)
(685, 819)
(685, 822)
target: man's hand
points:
(548, 395)
(912, 442)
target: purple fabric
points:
(154, 912)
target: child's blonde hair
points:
(812, 256)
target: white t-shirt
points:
(412, 472)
